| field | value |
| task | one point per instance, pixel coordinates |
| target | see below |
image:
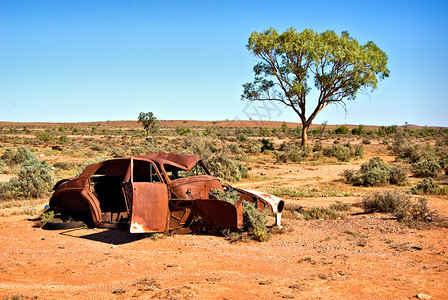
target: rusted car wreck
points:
(163, 192)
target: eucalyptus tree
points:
(149, 122)
(291, 63)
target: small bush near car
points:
(34, 180)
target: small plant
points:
(317, 146)
(428, 187)
(341, 130)
(426, 166)
(384, 202)
(47, 216)
(318, 213)
(340, 206)
(413, 214)
(34, 180)
(292, 153)
(253, 220)
(341, 152)
(266, 145)
(376, 173)
(17, 157)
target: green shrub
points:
(428, 187)
(359, 130)
(47, 216)
(7, 155)
(398, 175)
(292, 153)
(384, 202)
(376, 173)
(266, 145)
(413, 213)
(219, 161)
(405, 149)
(317, 146)
(253, 220)
(426, 166)
(341, 130)
(341, 152)
(359, 151)
(44, 136)
(318, 213)
(34, 180)
(183, 130)
(17, 157)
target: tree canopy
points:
(149, 122)
(291, 62)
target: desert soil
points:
(361, 256)
(357, 257)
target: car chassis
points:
(163, 192)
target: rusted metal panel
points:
(185, 161)
(276, 204)
(149, 207)
(195, 187)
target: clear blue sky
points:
(88, 60)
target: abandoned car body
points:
(163, 192)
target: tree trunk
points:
(304, 135)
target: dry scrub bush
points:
(34, 180)
(292, 153)
(22, 154)
(253, 220)
(413, 213)
(219, 161)
(426, 166)
(376, 173)
(428, 187)
(320, 213)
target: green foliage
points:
(183, 130)
(376, 173)
(341, 130)
(359, 130)
(428, 187)
(44, 136)
(17, 157)
(266, 145)
(341, 152)
(426, 166)
(149, 122)
(47, 216)
(359, 151)
(284, 127)
(289, 60)
(34, 180)
(386, 131)
(317, 146)
(292, 153)
(63, 139)
(414, 214)
(405, 149)
(218, 161)
(384, 202)
(253, 220)
(320, 213)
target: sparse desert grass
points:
(309, 191)
(413, 213)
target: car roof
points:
(182, 161)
